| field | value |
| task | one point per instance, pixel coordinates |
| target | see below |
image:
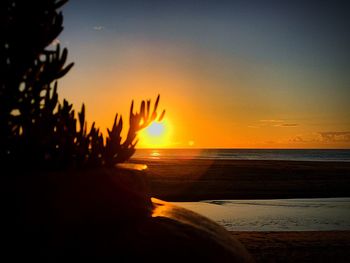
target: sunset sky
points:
(240, 74)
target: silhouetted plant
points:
(36, 130)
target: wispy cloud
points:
(323, 137)
(335, 136)
(297, 139)
(287, 125)
(98, 28)
(313, 137)
(272, 121)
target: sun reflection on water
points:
(155, 154)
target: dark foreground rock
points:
(104, 215)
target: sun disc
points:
(155, 129)
(157, 135)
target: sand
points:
(303, 246)
(194, 180)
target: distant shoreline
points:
(199, 179)
(228, 148)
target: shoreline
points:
(321, 214)
(204, 179)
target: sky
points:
(231, 74)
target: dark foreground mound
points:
(104, 215)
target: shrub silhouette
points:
(36, 130)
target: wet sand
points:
(303, 246)
(194, 180)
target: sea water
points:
(276, 215)
(340, 155)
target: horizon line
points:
(234, 148)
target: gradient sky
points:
(246, 74)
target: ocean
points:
(338, 155)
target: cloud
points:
(322, 137)
(271, 121)
(274, 123)
(297, 139)
(98, 28)
(336, 136)
(287, 125)
(311, 137)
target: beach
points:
(207, 179)
(299, 246)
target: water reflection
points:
(155, 154)
(276, 215)
(178, 154)
(160, 209)
(132, 166)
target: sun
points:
(157, 135)
(155, 129)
